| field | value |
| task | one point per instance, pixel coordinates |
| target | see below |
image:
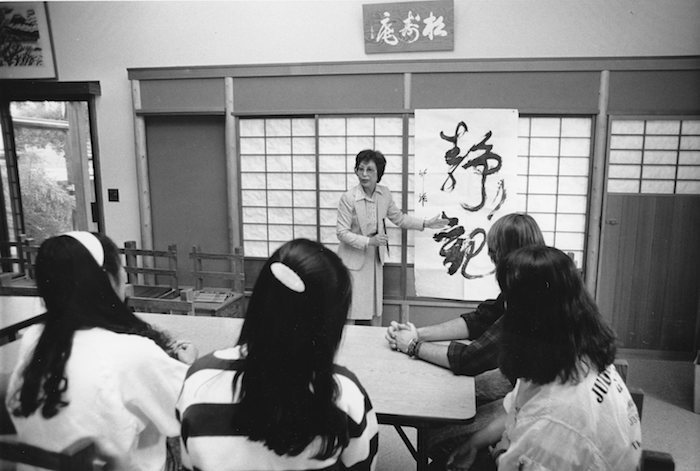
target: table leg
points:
(420, 453)
(406, 442)
(422, 450)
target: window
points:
(654, 156)
(292, 175)
(48, 161)
(278, 182)
(294, 170)
(555, 155)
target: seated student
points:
(93, 369)
(277, 400)
(569, 409)
(483, 326)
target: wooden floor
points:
(668, 422)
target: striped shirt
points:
(211, 441)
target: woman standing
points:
(93, 369)
(361, 230)
(277, 400)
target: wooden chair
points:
(651, 460)
(656, 461)
(17, 262)
(31, 251)
(160, 305)
(225, 269)
(145, 270)
(12, 257)
(79, 456)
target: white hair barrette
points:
(91, 243)
(287, 277)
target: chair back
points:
(80, 456)
(149, 267)
(30, 253)
(17, 268)
(12, 258)
(651, 460)
(656, 461)
(230, 272)
(161, 305)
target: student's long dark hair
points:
(291, 337)
(78, 295)
(551, 323)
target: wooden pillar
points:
(77, 164)
(403, 280)
(142, 169)
(595, 209)
(235, 234)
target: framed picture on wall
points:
(26, 49)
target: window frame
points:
(33, 90)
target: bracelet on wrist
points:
(414, 347)
(416, 351)
(411, 347)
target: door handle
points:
(612, 222)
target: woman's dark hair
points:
(78, 294)
(291, 337)
(551, 324)
(369, 155)
(511, 232)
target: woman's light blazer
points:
(355, 226)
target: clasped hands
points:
(399, 336)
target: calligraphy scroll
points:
(466, 169)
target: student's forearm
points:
(491, 433)
(436, 354)
(454, 329)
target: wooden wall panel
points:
(568, 92)
(655, 92)
(181, 95)
(187, 177)
(650, 270)
(337, 93)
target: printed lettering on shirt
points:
(602, 385)
(632, 415)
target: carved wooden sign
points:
(409, 26)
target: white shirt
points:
(121, 392)
(590, 425)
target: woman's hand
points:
(463, 457)
(379, 240)
(403, 336)
(390, 335)
(436, 222)
(185, 351)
